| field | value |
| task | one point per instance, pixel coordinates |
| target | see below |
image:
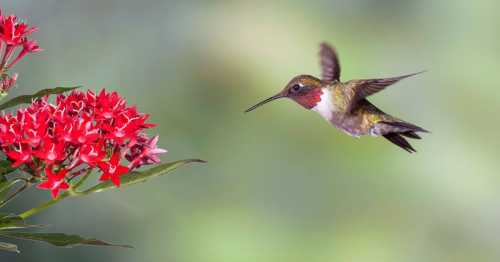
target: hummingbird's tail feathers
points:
(395, 131)
(403, 127)
(411, 134)
(398, 140)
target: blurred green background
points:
(281, 184)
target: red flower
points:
(14, 35)
(12, 31)
(51, 151)
(29, 46)
(76, 130)
(77, 133)
(108, 105)
(9, 130)
(20, 155)
(84, 132)
(91, 153)
(144, 151)
(112, 170)
(54, 181)
(35, 128)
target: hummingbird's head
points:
(303, 89)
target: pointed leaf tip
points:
(141, 176)
(196, 161)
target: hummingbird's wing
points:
(330, 67)
(361, 88)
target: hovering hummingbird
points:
(344, 104)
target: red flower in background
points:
(29, 46)
(79, 131)
(12, 31)
(13, 38)
(144, 151)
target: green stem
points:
(71, 192)
(45, 205)
(127, 179)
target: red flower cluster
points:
(13, 39)
(77, 133)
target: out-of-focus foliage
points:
(281, 184)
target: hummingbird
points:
(345, 104)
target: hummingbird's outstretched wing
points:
(361, 88)
(330, 67)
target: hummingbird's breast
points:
(331, 107)
(325, 107)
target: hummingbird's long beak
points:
(278, 96)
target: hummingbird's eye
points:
(296, 88)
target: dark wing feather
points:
(330, 67)
(362, 88)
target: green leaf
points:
(127, 179)
(9, 221)
(142, 176)
(8, 247)
(26, 99)
(5, 186)
(6, 167)
(59, 239)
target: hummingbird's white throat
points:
(325, 106)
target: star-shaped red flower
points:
(12, 31)
(55, 181)
(112, 170)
